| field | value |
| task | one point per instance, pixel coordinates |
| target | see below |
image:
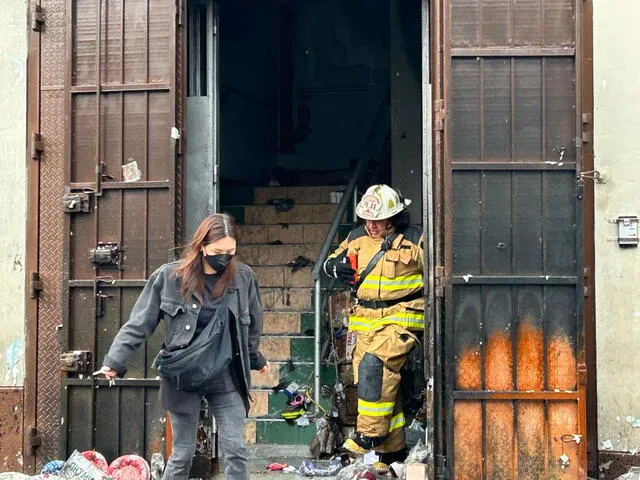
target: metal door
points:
(512, 222)
(110, 179)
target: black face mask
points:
(219, 262)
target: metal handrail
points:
(350, 195)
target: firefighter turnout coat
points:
(385, 325)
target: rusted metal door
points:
(110, 97)
(511, 115)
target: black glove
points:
(334, 267)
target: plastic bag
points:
(632, 474)
(356, 470)
(309, 468)
(418, 454)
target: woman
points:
(211, 308)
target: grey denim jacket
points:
(161, 300)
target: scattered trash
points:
(78, 467)
(303, 421)
(632, 474)
(97, 460)
(398, 469)
(130, 467)
(13, 476)
(157, 466)
(327, 439)
(276, 467)
(356, 470)
(414, 432)
(309, 468)
(370, 458)
(633, 421)
(299, 263)
(291, 413)
(281, 204)
(53, 467)
(633, 451)
(419, 453)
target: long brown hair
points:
(191, 270)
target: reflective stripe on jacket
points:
(398, 274)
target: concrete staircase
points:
(268, 240)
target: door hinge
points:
(180, 12)
(35, 438)
(36, 285)
(438, 115)
(587, 290)
(37, 18)
(582, 374)
(441, 467)
(439, 278)
(37, 146)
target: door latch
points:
(77, 361)
(76, 203)
(106, 255)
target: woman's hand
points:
(109, 373)
(266, 368)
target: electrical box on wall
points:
(627, 231)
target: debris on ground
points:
(632, 474)
(357, 469)
(91, 465)
(276, 467)
(309, 468)
(130, 467)
(97, 460)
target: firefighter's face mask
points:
(377, 228)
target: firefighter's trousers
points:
(378, 358)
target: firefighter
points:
(383, 261)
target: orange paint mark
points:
(469, 376)
(530, 356)
(531, 440)
(561, 363)
(563, 420)
(467, 440)
(499, 438)
(499, 362)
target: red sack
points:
(130, 467)
(97, 460)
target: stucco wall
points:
(13, 54)
(617, 153)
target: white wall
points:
(617, 153)
(13, 56)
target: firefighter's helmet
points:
(380, 202)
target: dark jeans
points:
(230, 414)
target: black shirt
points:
(227, 381)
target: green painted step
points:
(302, 375)
(278, 432)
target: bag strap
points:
(386, 245)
